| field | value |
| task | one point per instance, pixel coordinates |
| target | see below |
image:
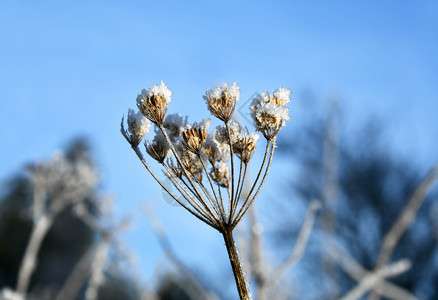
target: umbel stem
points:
(239, 276)
(184, 150)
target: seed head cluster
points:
(208, 169)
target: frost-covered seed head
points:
(193, 165)
(174, 123)
(194, 136)
(138, 127)
(280, 96)
(269, 112)
(153, 102)
(245, 146)
(159, 148)
(221, 101)
(211, 150)
(221, 174)
(221, 135)
(215, 151)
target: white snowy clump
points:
(156, 90)
(233, 91)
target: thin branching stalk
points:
(211, 222)
(236, 196)
(232, 207)
(248, 196)
(247, 203)
(210, 199)
(189, 198)
(178, 159)
(218, 203)
(245, 168)
(269, 114)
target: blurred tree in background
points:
(65, 243)
(364, 185)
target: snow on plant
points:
(209, 169)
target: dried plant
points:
(203, 166)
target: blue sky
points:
(74, 68)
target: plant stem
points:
(242, 287)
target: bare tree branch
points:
(374, 278)
(264, 278)
(300, 245)
(77, 277)
(358, 273)
(259, 269)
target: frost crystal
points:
(159, 90)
